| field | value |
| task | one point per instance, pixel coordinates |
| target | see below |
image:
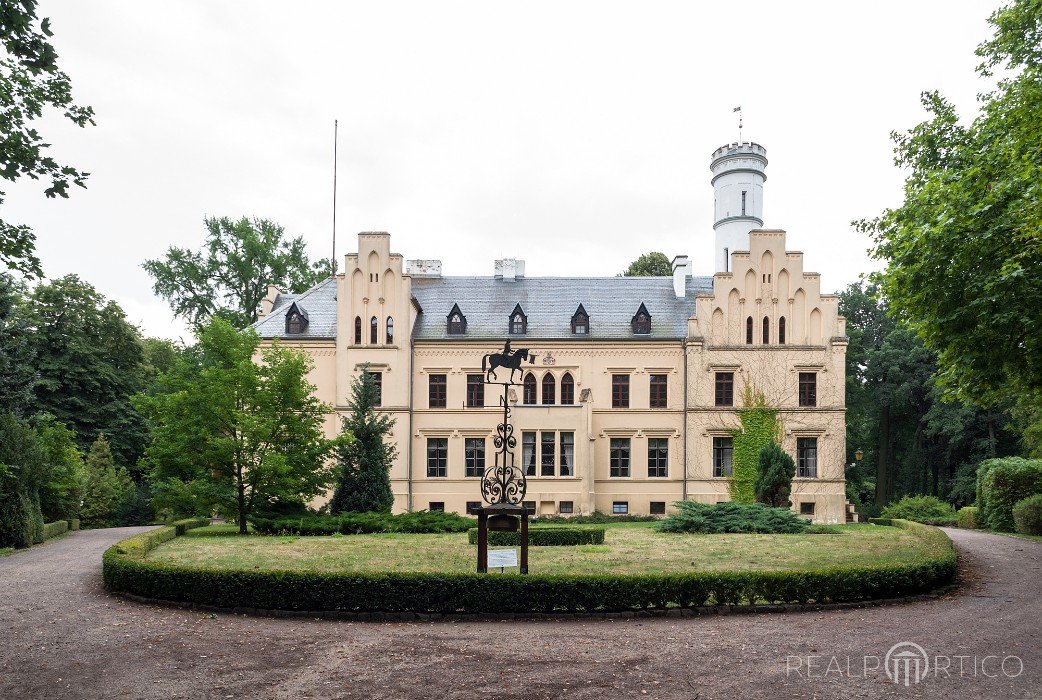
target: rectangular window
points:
(378, 380)
(565, 508)
(620, 457)
(547, 456)
(528, 453)
(475, 391)
(437, 457)
(658, 456)
(723, 454)
(567, 454)
(657, 508)
(743, 203)
(659, 388)
(474, 456)
(436, 505)
(807, 508)
(620, 391)
(620, 507)
(725, 388)
(808, 389)
(529, 506)
(436, 384)
(472, 507)
(807, 457)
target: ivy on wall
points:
(759, 427)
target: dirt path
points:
(62, 636)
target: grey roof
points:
(549, 303)
(317, 303)
(487, 302)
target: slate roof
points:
(487, 302)
(549, 303)
(317, 303)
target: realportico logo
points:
(905, 664)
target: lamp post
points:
(503, 486)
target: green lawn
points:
(630, 548)
(4, 551)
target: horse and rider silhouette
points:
(509, 359)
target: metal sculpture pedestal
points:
(501, 511)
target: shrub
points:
(425, 522)
(774, 475)
(126, 569)
(968, 518)
(596, 518)
(1027, 515)
(929, 510)
(543, 537)
(183, 526)
(59, 527)
(822, 530)
(731, 517)
(1003, 482)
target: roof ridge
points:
(296, 298)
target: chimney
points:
(268, 302)
(509, 269)
(681, 271)
(423, 268)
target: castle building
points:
(638, 383)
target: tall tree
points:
(964, 250)
(30, 82)
(774, 475)
(365, 461)
(230, 275)
(17, 350)
(89, 364)
(240, 432)
(652, 264)
(108, 487)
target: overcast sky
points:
(573, 135)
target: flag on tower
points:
(738, 109)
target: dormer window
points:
(518, 321)
(641, 322)
(296, 320)
(457, 322)
(580, 322)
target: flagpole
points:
(332, 262)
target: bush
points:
(126, 569)
(968, 518)
(54, 529)
(731, 517)
(929, 510)
(543, 537)
(774, 473)
(595, 518)
(1027, 515)
(1001, 483)
(74, 523)
(183, 526)
(425, 522)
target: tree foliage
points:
(230, 433)
(652, 264)
(365, 461)
(17, 350)
(31, 82)
(759, 427)
(108, 487)
(964, 250)
(774, 476)
(230, 275)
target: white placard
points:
(500, 558)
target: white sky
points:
(573, 135)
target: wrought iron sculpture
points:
(504, 482)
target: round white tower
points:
(738, 177)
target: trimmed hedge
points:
(595, 518)
(183, 526)
(543, 537)
(74, 523)
(126, 569)
(1027, 514)
(419, 522)
(1001, 483)
(968, 518)
(928, 510)
(59, 527)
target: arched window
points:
(567, 389)
(766, 330)
(358, 330)
(390, 330)
(374, 329)
(457, 322)
(781, 331)
(530, 387)
(549, 389)
(749, 331)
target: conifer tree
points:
(107, 488)
(364, 484)
(774, 476)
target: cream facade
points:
(632, 396)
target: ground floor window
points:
(807, 457)
(565, 508)
(723, 454)
(528, 453)
(658, 457)
(529, 506)
(472, 507)
(567, 454)
(620, 507)
(619, 459)
(807, 508)
(548, 456)
(436, 505)
(474, 456)
(658, 508)
(437, 457)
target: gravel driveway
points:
(62, 636)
